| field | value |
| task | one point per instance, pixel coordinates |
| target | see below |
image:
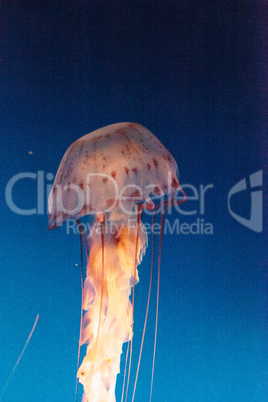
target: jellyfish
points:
(113, 174)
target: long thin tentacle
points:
(20, 356)
(140, 209)
(125, 372)
(167, 204)
(82, 233)
(148, 301)
(157, 297)
(82, 236)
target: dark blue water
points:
(194, 74)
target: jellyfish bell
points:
(113, 174)
(114, 167)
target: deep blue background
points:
(194, 73)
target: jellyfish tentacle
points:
(157, 295)
(81, 236)
(19, 359)
(148, 301)
(140, 210)
(167, 204)
(125, 372)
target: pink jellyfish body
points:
(112, 174)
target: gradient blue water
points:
(193, 74)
